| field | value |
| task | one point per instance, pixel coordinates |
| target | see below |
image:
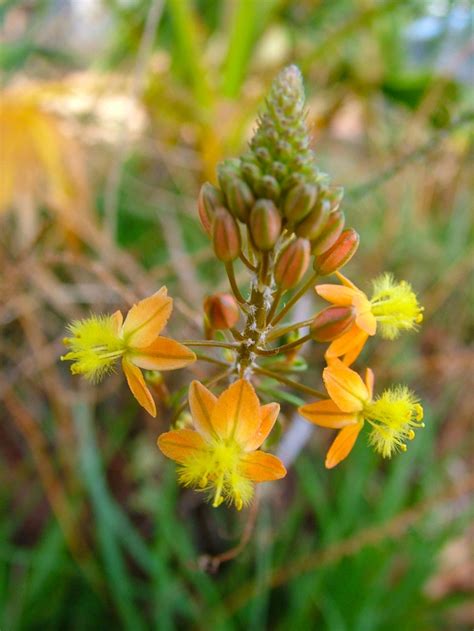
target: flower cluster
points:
(277, 216)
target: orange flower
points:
(392, 416)
(220, 455)
(99, 341)
(393, 307)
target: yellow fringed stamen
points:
(216, 471)
(394, 416)
(395, 306)
(95, 346)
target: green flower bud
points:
(312, 226)
(227, 169)
(331, 323)
(339, 254)
(330, 233)
(299, 201)
(225, 236)
(279, 170)
(252, 174)
(209, 199)
(265, 224)
(269, 188)
(239, 197)
(292, 264)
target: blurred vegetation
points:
(130, 104)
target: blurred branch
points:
(112, 187)
(357, 192)
(372, 536)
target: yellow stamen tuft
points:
(216, 470)
(395, 306)
(94, 346)
(394, 416)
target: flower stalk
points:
(280, 215)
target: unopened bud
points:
(339, 254)
(227, 169)
(209, 199)
(330, 233)
(265, 224)
(299, 201)
(312, 226)
(251, 173)
(222, 311)
(334, 196)
(269, 188)
(239, 197)
(292, 264)
(331, 323)
(225, 236)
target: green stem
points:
(229, 268)
(289, 382)
(211, 360)
(276, 301)
(212, 343)
(282, 349)
(288, 329)
(237, 335)
(295, 299)
(247, 263)
(263, 268)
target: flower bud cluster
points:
(276, 190)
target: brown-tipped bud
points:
(330, 233)
(225, 236)
(209, 199)
(292, 264)
(340, 253)
(265, 224)
(331, 323)
(239, 198)
(222, 311)
(299, 201)
(312, 226)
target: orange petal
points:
(163, 354)
(345, 387)
(369, 382)
(262, 467)
(350, 357)
(201, 402)
(137, 385)
(365, 319)
(337, 294)
(117, 319)
(268, 414)
(146, 319)
(326, 414)
(180, 444)
(354, 339)
(342, 445)
(348, 283)
(237, 412)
